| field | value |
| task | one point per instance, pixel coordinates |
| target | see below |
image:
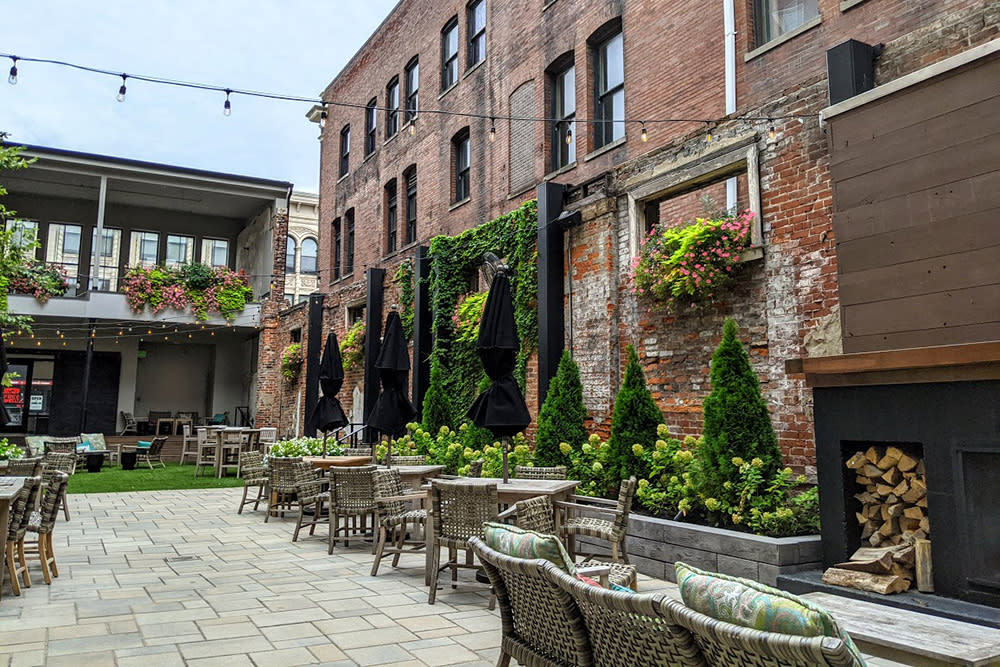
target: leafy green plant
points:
(304, 447)
(634, 422)
(201, 288)
(291, 362)
(196, 276)
(42, 281)
(15, 251)
(352, 347)
(561, 419)
(436, 410)
(455, 449)
(407, 290)
(9, 450)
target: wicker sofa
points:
(552, 619)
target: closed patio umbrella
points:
(393, 410)
(501, 408)
(4, 419)
(327, 414)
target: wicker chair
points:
(408, 460)
(394, 518)
(536, 472)
(313, 495)
(20, 515)
(254, 475)
(352, 497)
(30, 467)
(460, 508)
(614, 529)
(62, 462)
(62, 445)
(476, 468)
(357, 451)
(44, 521)
(281, 485)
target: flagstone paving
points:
(178, 578)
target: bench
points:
(911, 637)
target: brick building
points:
(395, 172)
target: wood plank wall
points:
(916, 195)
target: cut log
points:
(880, 565)
(901, 488)
(919, 535)
(869, 470)
(888, 528)
(875, 539)
(925, 524)
(922, 502)
(901, 571)
(914, 513)
(884, 489)
(908, 525)
(867, 530)
(906, 463)
(862, 519)
(862, 480)
(865, 498)
(891, 499)
(921, 469)
(876, 583)
(866, 553)
(894, 510)
(892, 476)
(904, 556)
(923, 566)
(858, 460)
(892, 455)
(918, 489)
(872, 455)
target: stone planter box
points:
(655, 544)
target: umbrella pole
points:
(324, 443)
(504, 442)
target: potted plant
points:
(291, 362)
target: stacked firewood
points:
(893, 520)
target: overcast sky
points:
(293, 47)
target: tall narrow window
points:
(449, 54)
(392, 108)
(337, 248)
(391, 220)
(215, 252)
(307, 256)
(564, 111)
(773, 18)
(180, 250)
(412, 87)
(63, 248)
(609, 78)
(349, 243)
(410, 175)
(371, 125)
(461, 165)
(290, 248)
(108, 255)
(477, 32)
(143, 249)
(345, 150)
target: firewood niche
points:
(893, 517)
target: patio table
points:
(413, 476)
(218, 433)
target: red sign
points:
(13, 396)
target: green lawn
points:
(174, 476)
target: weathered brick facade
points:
(785, 297)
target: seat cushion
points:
(84, 446)
(142, 444)
(96, 440)
(35, 445)
(520, 543)
(753, 605)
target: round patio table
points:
(128, 460)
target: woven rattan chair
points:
(29, 467)
(43, 523)
(394, 517)
(536, 472)
(313, 495)
(20, 515)
(460, 508)
(64, 462)
(357, 451)
(613, 529)
(281, 485)
(476, 468)
(352, 498)
(408, 460)
(254, 476)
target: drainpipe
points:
(729, 24)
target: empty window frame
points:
(108, 258)
(143, 249)
(180, 250)
(215, 252)
(564, 111)
(63, 248)
(449, 54)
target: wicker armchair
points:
(281, 485)
(537, 472)
(460, 508)
(394, 517)
(20, 515)
(313, 496)
(150, 455)
(613, 529)
(352, 498)
(29, 467)
(62, 462)
(476, 468)
(357, 451)
(254, 476)
(408, 460)
(43, 523)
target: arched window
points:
(290, 256)
(307, 259)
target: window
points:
(609, 77)
(345, 150)
(63, 248)
(180, 250)
(143, 249)
(449, 54)
(25, 231)
(290, 297)
(412, 87)
(215, 252)
(410, 175)
(336, 249)
(461, 165)
(290, 248)
(371, 124)
(477, 32)
(349, 243)
(307, 256)
(392, 108)
(391, 220)
(564, 111)
(355, 314)
(108, 254)
(295, 335)
(773, 18)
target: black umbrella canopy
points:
(501, 408)
(393, 410)
(328, 414)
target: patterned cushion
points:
(520, 543)
(84, 446)
(754, 605)
(35, 444)
(97, 441)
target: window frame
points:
(563, 154)
(345, 150)
(449, 61)
(475, 37)
(392, 107)
(391, 216)
(315, 257)
(411, 75)
(410, 178)
(337, 249)
(110, 271)
(604, 97)
(55, 247)
(166, 250)
(462, 183)
(371, 126)
(291, 244)
(762, 21)
(349, 242)
(208, 242)
(142, 242)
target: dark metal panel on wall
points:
(314, 347)
(422, 336)
(374, 284)
(101, 414)
(550, 284)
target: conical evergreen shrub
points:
(737, 423)
(436, 410)
(562, 416)
(634, 421)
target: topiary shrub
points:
(634, 422)
(436, 412)
(737, 424)
(562, 416)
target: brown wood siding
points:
(916, 194)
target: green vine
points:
(352, 347)
(407, 289)
(291, 362)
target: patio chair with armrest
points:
(408, 460)
(20, 516)
(281, 485)
(149, 454)
(26, 467)
(540, 472)
(129, 424)
(254, 476)
(156, 418)
(218, 419)
(460, 508)
(43, 523)
(613, 529)
(395, 517)
(64, 462)
(313, 495)
(352, 498)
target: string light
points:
(770, 130)
(413, 127)
(569, 136)
(12, 79)
(121, 91)
(643, 135)
(227, 108)
(323, 115)
(493, 131)
(708, 136)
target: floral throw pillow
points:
(519, 543)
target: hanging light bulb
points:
(227, 108)
(708, 134)
(770, 130)
(643, 135)
(413, 127)
(493, 131)
(121, 90)
(12, 79)
(569, 136)
(322, 117)
(149, 332)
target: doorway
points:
(29, 397)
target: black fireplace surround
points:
(957, 425)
